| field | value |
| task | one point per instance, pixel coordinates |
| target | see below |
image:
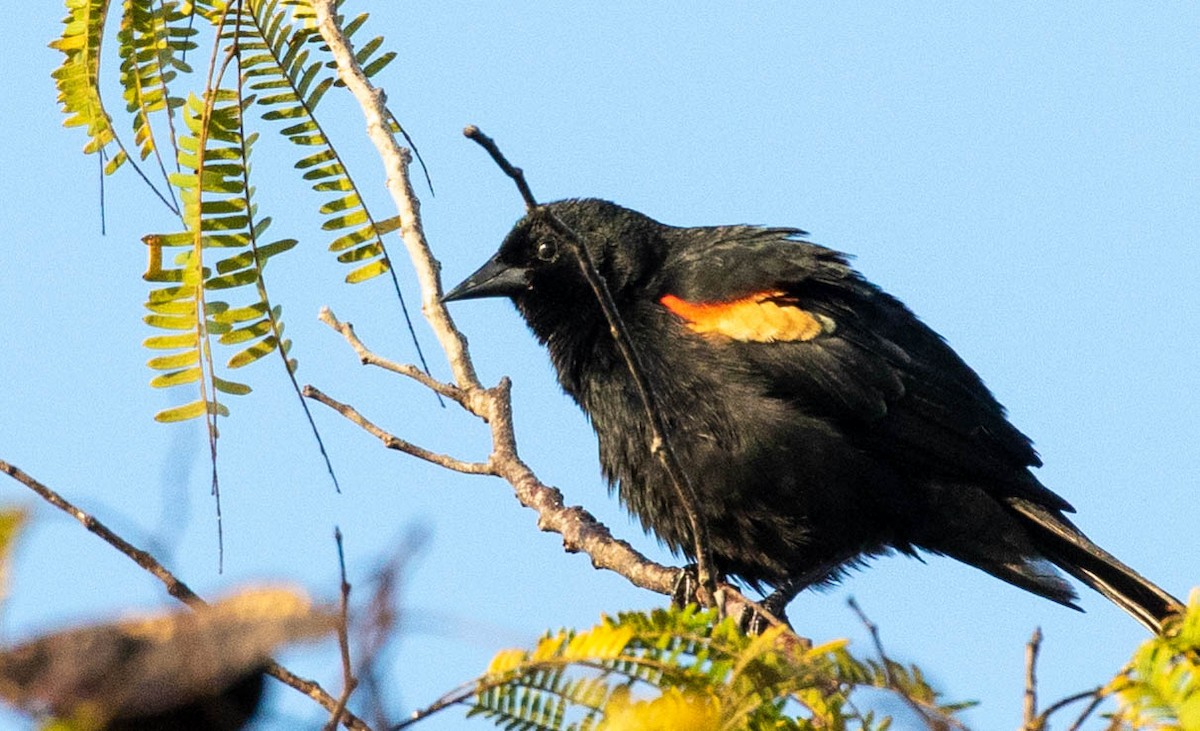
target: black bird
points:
(821, 422)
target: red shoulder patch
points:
(763, 317)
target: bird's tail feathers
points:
(1061, 542)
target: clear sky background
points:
(1025, 178)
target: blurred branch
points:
(934, 720)
(1095, 696)
(1091, 708)
(1030, 714)
(175, 587)
(349, 682)
(381, 619)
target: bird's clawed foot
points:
(686, 586)
(752, 621)
(775, 606)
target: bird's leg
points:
(752, 622)
(776, 604)
(686, 584)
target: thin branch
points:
(490, 681)
(660, 444)
(1096, 694)
(349, 682)
(579, 529)
(518, 176)
(1031, 656)
(208, 373)
(873, 630)
(1087, 712)
(366, 357)
(313, 690)
(175, 587)
(101, 157)
(581, 532)
(453, 697)
(260, 281)
(394, 442)
(932, 721)
(396, 160)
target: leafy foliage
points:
(218, 214)
(152, 43)
(1161, 690)
(78, 77)
(265, 54)
(682, 668)
(277, 62)
(12, 521)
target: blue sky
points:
(1024, 177)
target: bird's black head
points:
(537, 268)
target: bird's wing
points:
(820, 335)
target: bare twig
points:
(1088, 710)
(366, 357)
(349, 682)
(873, 630)
(1031, 656)
(452, 698)
(581, 532)
(934, 721)
(660, 443)
(175, 587)
(1096, 694)
(518, 176)
(396, 160)
(394, 442)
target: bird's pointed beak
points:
(493, 279)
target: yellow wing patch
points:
(758, 318)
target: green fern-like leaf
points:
(279, 65)
(77, 79)
(211, 10)
(152, 40)
(145, 43)
(220, 218)
(681, 669)
(1161, 690)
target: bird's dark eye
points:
(546, 251)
